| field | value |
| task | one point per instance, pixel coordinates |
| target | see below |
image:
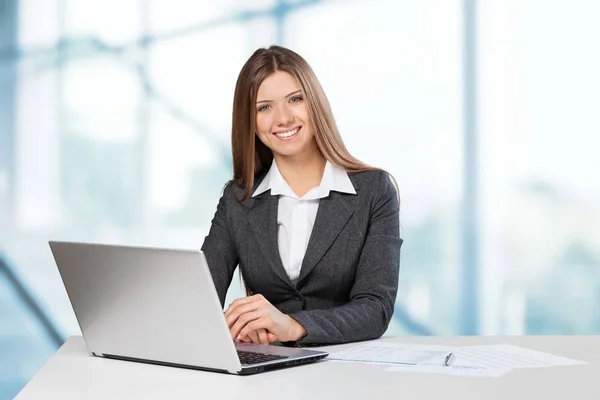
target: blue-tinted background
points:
(115, 121)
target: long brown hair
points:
(250, 155)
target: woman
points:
(314, 230)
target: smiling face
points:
(282, 119)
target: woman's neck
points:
(302, 173)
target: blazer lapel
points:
(333, 214)
(263, 220)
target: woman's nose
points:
(283, 116)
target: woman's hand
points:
(260, 336)
(254, 313)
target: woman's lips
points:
(288, 135)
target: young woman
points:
(314, 231)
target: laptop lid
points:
(146, 304)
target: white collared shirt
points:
(296, 215)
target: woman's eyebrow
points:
(291, 94)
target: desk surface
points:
(73, 374)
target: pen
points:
(449, 359)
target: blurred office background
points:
(115, 127)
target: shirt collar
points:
(334, 179)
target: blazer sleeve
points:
(368, 313)
(219, 247)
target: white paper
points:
(455, 370)
(392, 353)
(509, 356)
(473, 361)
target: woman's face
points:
(282, 119)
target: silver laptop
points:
(158, 306)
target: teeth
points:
(287, 134)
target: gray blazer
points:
(349, 275)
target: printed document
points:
(506, 355)
(454, 369)
(391, 353)
(474, 361)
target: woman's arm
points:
(219, 247)
(373, 295)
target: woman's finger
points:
(243, 320)
(255, 325)
(262, 336)
(240, 302)
(240, 310)
(253, 337)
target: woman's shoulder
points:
(373, 180)
(376, 186)
(235, 190)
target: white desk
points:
(73, 374)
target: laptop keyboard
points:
(248, 358)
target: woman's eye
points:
(263, 108)
(296, 99)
